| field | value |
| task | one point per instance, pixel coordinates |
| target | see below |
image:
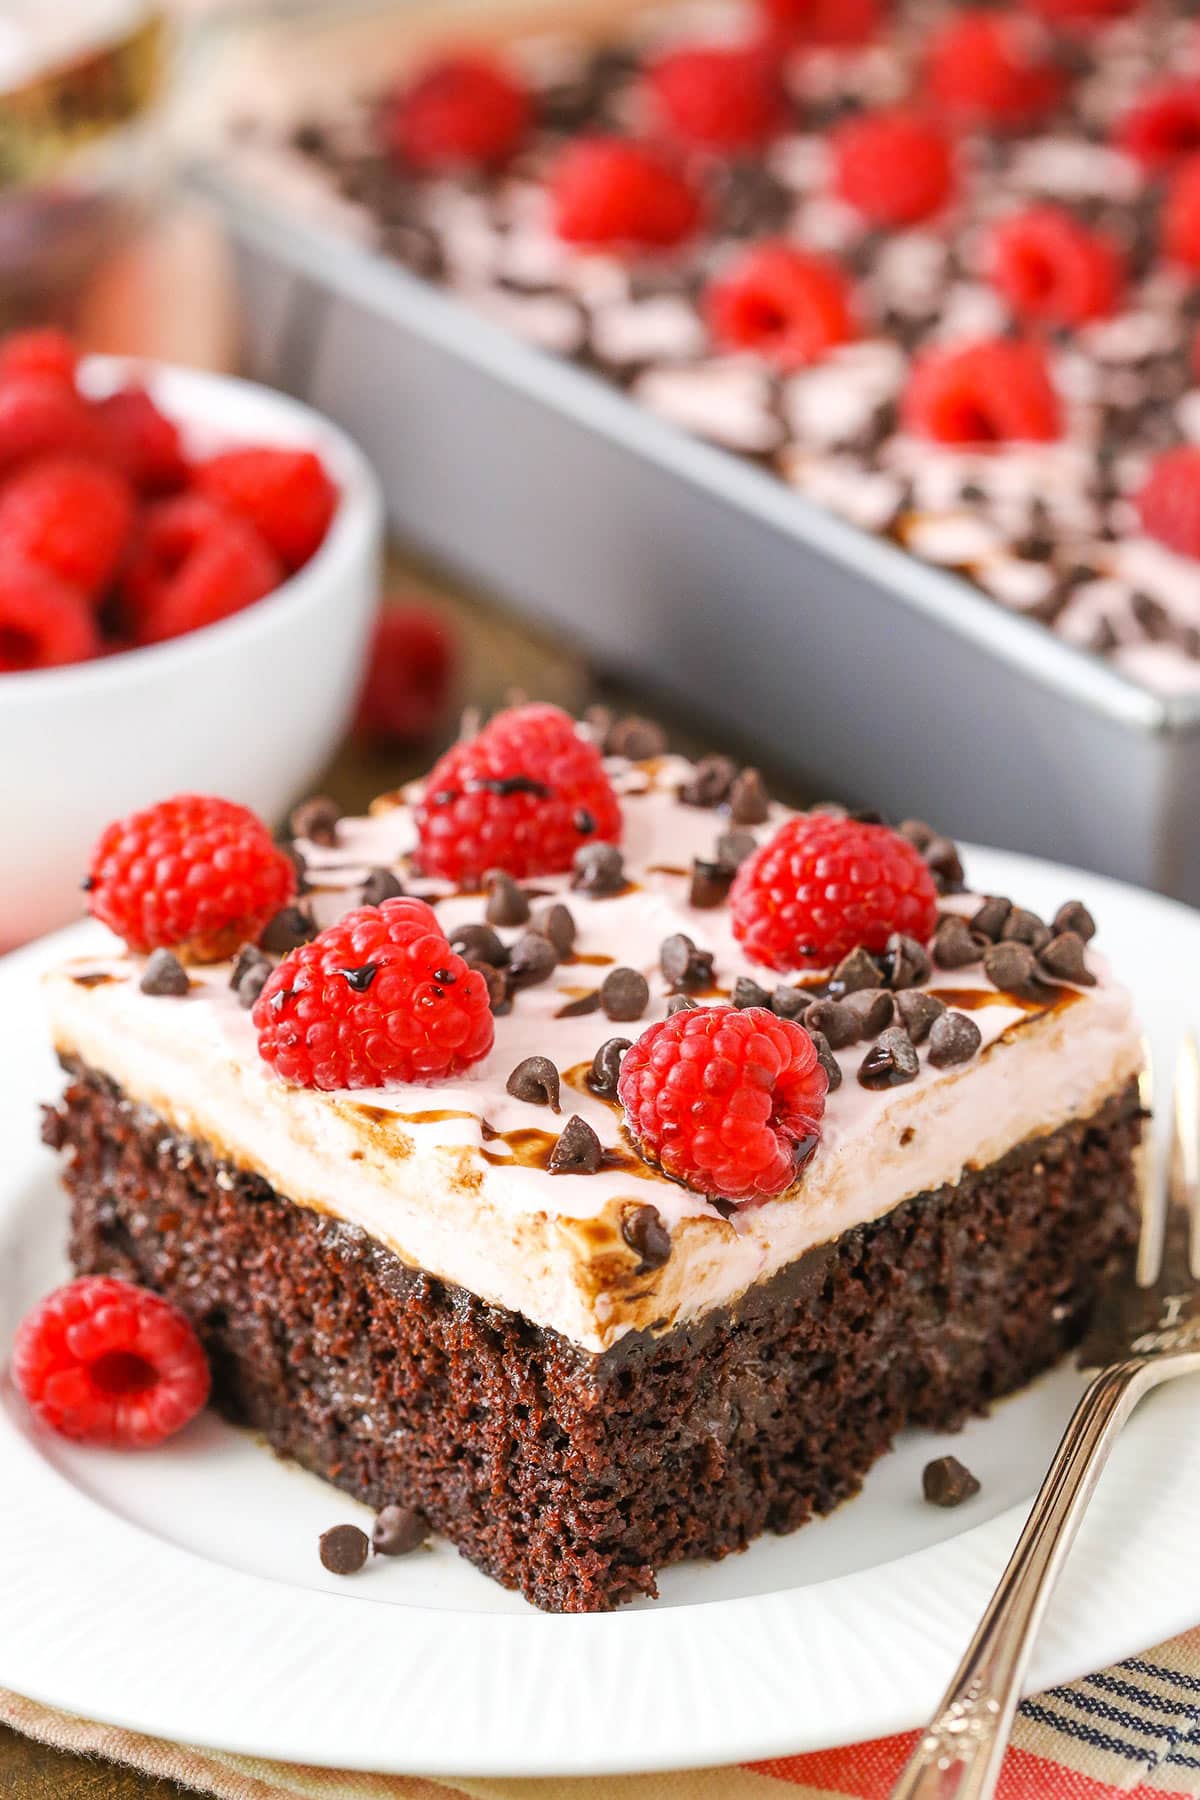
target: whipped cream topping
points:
(453, 1177)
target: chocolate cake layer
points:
(573, 1476)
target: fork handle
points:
(959, 1756)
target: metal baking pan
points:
(710, 580)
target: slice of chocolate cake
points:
(487, 1297)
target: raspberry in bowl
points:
(182, 612)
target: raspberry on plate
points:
(43, 350)
(466, 111)
(722, 97)
(1169, 500)
(824, 24)
(1163, 125)
(285, 494)
(1180, 221)
(729, 1101)
(524, 795)
(104, 1362)
(1051, 268)
(606, 192)
(378, 997)
(70, 516)
(40, 415)
(43, 621)
(409, 671)
(992, 69)
(821, 886)
(193, 874)
(895, 168)
(789, 304)
(991, 391)
(143, 443)
(192, 564)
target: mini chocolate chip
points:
(872, 1009)
(905, 962)
(344, 1549)
(989, 920)
(398, 1530)
(506, 904)
(497, 984)
(164, 974)
(1024, 927)
(827, 1060)
(891, 1061)
(1011, 967)
(709, 782)
(606, 1067)
(532, 958)
(953, 1038)
(644, 1232)
(1065, 957)
(917, 1011)
(598, 869)
(747, 992)
(624, 994)
(789, 1002)
(1074, 916)
(831, 1019)
(578, 1150)
(248, 976)
(733, 847)
(858, 970)
(947, 1482)
(682, 964)
(954, 945)
(379, 886)
(556, 923)
(636, 739)
(748, 800)
(316, 819)
(535, 1080)
(710, 885)
(918, 833)
(479, 943)
(290, 927)
(679, 1003)
(941, 853)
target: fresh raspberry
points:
(788, 304)
(41, 416)
(192, 564)
(893, 167)
(72, 517)
(992, 69)
(463, 112)
(1169, 500)
(729, 1101)
(990, 391)
(1082, 12)
(524, 796)
(41, 351)
(194, 874)
(1051, 268)
(285, 494)
(822, 886)
(824, 24)
(1163, 125)
(605, 191)
(43, 622)
(142, 442)
(727, 98)
(378, 997)
(1180, 222)
(409, 671)
(105, 1362)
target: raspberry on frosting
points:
(728, 1101)
(991, 391)
(71, 517)
(1082, 12)
(1169, 500)
(1052, 269)
(606, 192)
(821, 887)
(987, 68)
(724, 97)
(379, 997)
(895, 168)
(462, 112)
(523, 795)
(1180, 219)
(824, 24)
(788, 304)
(1163, 125)
(43, 621)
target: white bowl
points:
(250, 708)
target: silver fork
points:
(1146, 1331)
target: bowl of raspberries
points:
(189, 570)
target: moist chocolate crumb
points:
(248, 976)
(532, 958)
(1024, 927)
(857, 970)
(1074, 916)
(947, 1482)
(344, 1549)
(497, 985)
(710, 884)
(290, 927)
(827, 1060)
(955, 945)
(606, 1067)
(709, 783)
(830, 1017)
(479, 943)
(872, 1010)
(379, 886)
(890, 1062)
(954, 1037)
(679, 1003)
(1065, 957)
(598, 869)
(918, 1010)
(733, 847)
(682, 964)
(557, 923)
(945, 864)
(990, 919)
(317, 820)
(624, 994)
(749, 803)
(635, 738)
(1010, 966)
(398, 1530)
(788, 1002)
(578, 1150)
(535, 1080)
(905, 963)
(644, 1232)
(164, 974)
(506, 904)
(747, 992)
(918, 833)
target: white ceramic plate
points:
(179, 1592)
